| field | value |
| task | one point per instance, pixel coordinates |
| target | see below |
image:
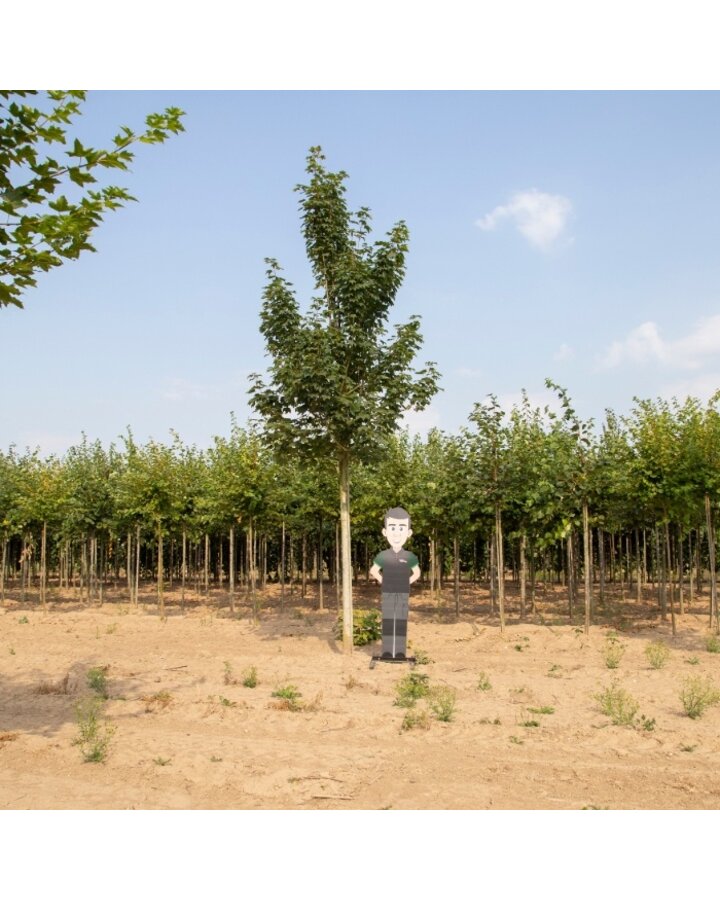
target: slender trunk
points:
(2, 571)
(638, 569)
(128, 563)
(346, 562)
(282, 567)
(587, 565)
(668, 569)
(303, 576)
(523, 573)
(601, 564)
(43, 566)
(660, 576)
(160, 593)
(292, 568)
(231, 572)
(711, 558)
(500, 567)
(321, 599)
(183, 571)
(493, 571)
(137, 565)
(101, 579)
(570, 576)
(456, 568)
(338, 595)
(206, 562)
(681, 573)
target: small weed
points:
(351, 682)
(618, 704)
(411, 688)
(111, 629)
(483, 683)
(413, 719)
(216, 759)
(228, 674)
(250, 677)
(514, 739)
(161, 761)
(95, 733)
(288, 696)
(23, 620)
(612, 652)
(225, 702)
(554, 671)
(542, 710)
(486, 721)
(646, 724)
(529, 723)
(97, 681)
(692, 661)
(11, 650)
(442, 700)
(422, 658)
(595, 807)
(518, 690)
(160, 700)
(54, 687)
(519, 647)
(712, 644)
(688, 748)
(657, 653)
(697, 695)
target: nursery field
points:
(116, 707)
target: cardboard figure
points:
(396, 569)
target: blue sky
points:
(570, 235)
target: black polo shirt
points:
(396, 570)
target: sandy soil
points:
(185, 733)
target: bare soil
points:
(185, 733)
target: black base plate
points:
(384, 659)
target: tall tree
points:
(337, 383)
(49, 205)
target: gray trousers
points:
(394, 623)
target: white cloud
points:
(565, 352)
(645, 344)
(702, 388)
(421, 422)
(539, 217)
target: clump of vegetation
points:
(351, 682)
(483, 682)
(692, 661)
(555, 671)
(95, 733)
(415, 719)
(442, 700)
(421, 657)
(162, 761)
(23, 620)
(250, 677)
(288, 696)
(97, 681)
(542, 710)
(657, 653)
(697, 695)
(486, 721)
(514, 739)
(367, 627)
(225, 702)
(160, 700)
(529, 723)
(54, 687)
(646, 724)
(228, 673)
(612, 652)
(618, 704)
(411, 688)
(712, 644)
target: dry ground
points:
(188, 734)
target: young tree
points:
(337, 383)
(49, 207)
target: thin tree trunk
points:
(282, 567)
(711, 558)
(660, 574)
(43, 566)
(206, 562)
(160, 592)
(137, 565)
(183, 571)
(346, 561)
(587, 565)
(231, 572)
(456, 571)
(2, 571)
(601, 564)
(681, 573)
(570, 576)
(303, 576)
(500, 567)
(493, 571)
(523, 573)
(668, 569)
(321, 599)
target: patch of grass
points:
(411, 688)
(519, 647)
(367, 627)
(486, 721)
(658, 653)
(97, 681)
(542, 710)
(111, 629)
(23, 620)
(646, 724)
(612, 652)
(415, 719)
(529, 723)
(688, 748)
(712, 643)
(422, 658)
(692, 660)
(618, 704)
(162, 761)
(228, 673)
(555, 671)
(483, 683)
(54, 687)
(160, 700)
(11, 651)
(95, 733)
(442, 700)
(697, 695)
(288, 696)
(225, 702)
(250, 677)
(216, 759)
(514, 739)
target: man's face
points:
(397, 532)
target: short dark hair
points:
(397, 512)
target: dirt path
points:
(188, 734)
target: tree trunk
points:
(570, 576)
(711, 557)
(523, 573)
(160, 574)
(587, 565)
(346, 561)
(321, 599)
(137, 564)
(456, 570)
(282, 567)
(2, 571)
(303, 576)
(492, 555)
(231, 570)
(681, 573)
(500, 567)
(183, 571)
(206, 562)
(601, 564)
(43, 566)
(660, 575)
(668, 569)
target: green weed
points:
(712, 644)
(95, 733)
(225, 702)
(618, 704)
(23, 620)
(216, 759)
(411, 688)
(159, 700)
(486, 721)
(421, 657)
(514, 739)
(542, 710)
(612, 652)
(697, 695)
(367, 627)
(97, 681)
(688, 748)
(288, 696)
(442, 700)
(415, 719)
(657, 653)
(162, 761)
(692, 661)
(483, 683)
(555, 671)
(250, 677)
(228, 673)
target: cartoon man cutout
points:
(396, 569)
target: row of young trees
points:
(542, 495)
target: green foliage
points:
(421, 657)
(712, 643)
(415, 719)
(49, 205)
(483, 682)
(288, 697)
(618, 704)
(657, 653)
(697, 695)
(367, 627)
(95, 733)
(542, 710)
(97, 681)
(442, 700)
(612, 652)
(250, 677)
(411, 688)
